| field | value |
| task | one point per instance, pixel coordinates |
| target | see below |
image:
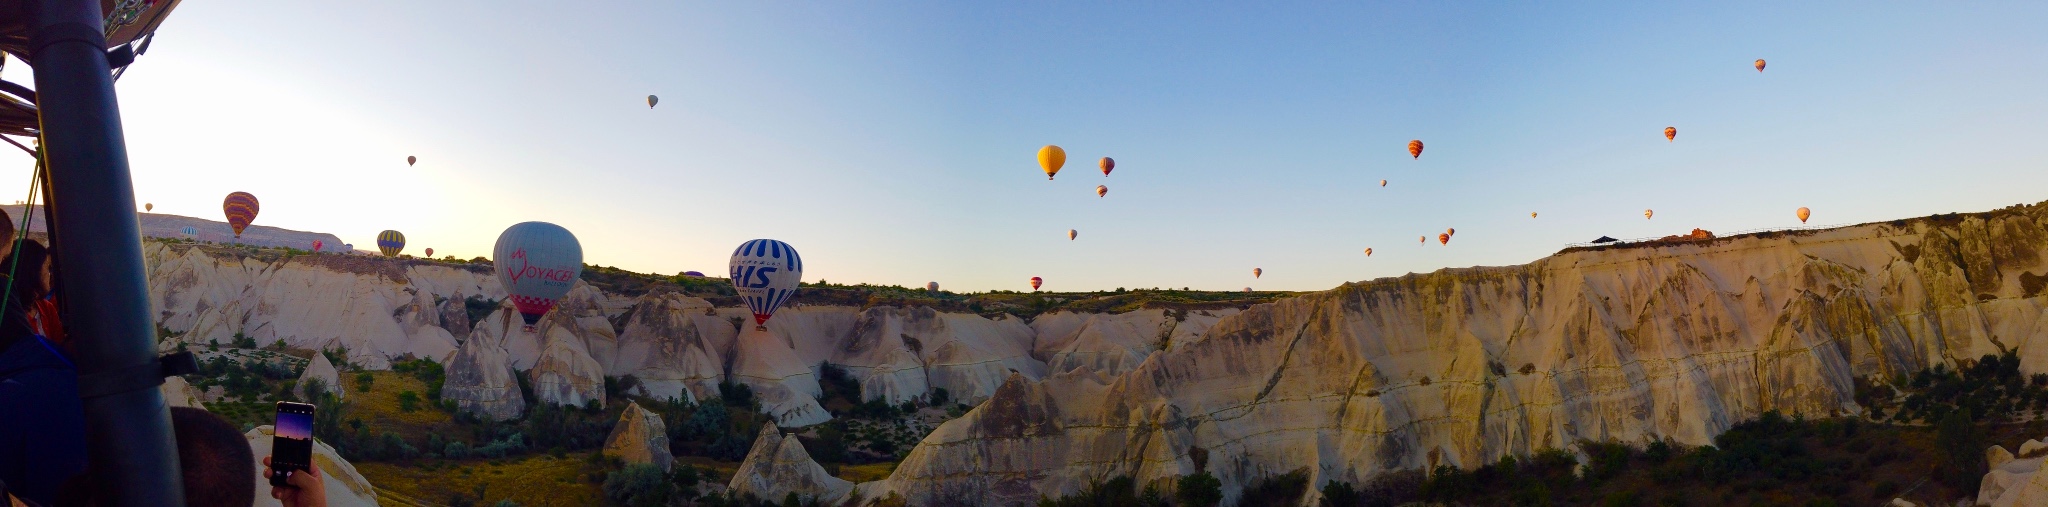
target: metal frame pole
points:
(97, 242)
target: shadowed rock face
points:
(1463, 366)
(480, 380)
(640, 438)
(777, 466)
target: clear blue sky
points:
(894, 142)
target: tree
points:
(1962, 446)
(408, 401)
(1199, 490)
(637, 485)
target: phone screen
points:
(291, 445)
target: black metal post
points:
(97, 243)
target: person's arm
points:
(307, 488)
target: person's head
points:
(23, 290)
(6, 233)
(28, 267)
(218, 467)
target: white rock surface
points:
(321, 370)
(345, 487)
(480, 380)
(675, 346)
(565, 373)
(787, 387)
(900, 354)
(777, 466)
(179, 393)
(639, 438)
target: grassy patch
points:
(537, 479)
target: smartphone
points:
(291, 443)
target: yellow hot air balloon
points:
(1803, 213)
(1368, 252)
(1071, 233)
(1532, 214)
(148, 207)
(1450, 231)
(1415, 148)
(1101, 190)
(1383, 183)
(1670, 134)
(1759, 65)
(1108, 165)
(1647, 213)
(1051, 158)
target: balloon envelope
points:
(430, 253)
(537, 262)
(1759, 65)
(1415, 148)
(1071, 233)
(1532, 214)
(1670, 133)
(1036, 281)
(146, 207)
(766, 272)
(1051, 158)
(1443, 238)
(1107, 165)
(241, 208)
(1647, 213)
(651, 100)
(190, 231)
(1101, 190)
(391, 243)
(1257, 271)
(410, 160)
(316, 245)
(932, 286)
(1383, 183)
(1803, 213)
(1450, 231)
(1368, 252)
(698, 274)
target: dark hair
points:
(7, 225)
(219, 468)
(23, 289)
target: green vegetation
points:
(1119, 491)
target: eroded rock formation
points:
(640, 437)
(777, 466)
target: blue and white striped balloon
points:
(766, 273)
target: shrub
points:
(1199, 490)
(637, 485)
(408, 401)
(1283, 489)
(364, 380)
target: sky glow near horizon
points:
(894, 143)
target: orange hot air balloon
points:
(1803, 213)
(1450, 231)
(241, 208)
(1383, 183)
(1443, 238)
(1759, 65)
(410, 160)
(1368, 252)
(148, 207)
(1108, 164)
(1647, 213)
(1670, 134)
(1415, 148)
(1035, 282)
(1532, 214)
(1425, 240)
(430, 253)
(1256, 272)
(1051, 158)
(1101, 190)
(1071, 234)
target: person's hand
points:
(307, 489)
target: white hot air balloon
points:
(932, 286)
(766, 273)
(537, 262)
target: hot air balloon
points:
(1051, 158)
(430, 253)
(1450, 231)
(1035, 282)
(1647, 213)
(410, 160)
(1670, 134)
(1071, 234)
(1383, 183)
(1415, 148)
(1532, 214)
(1443, 238)
(1425, 240)
(1256, 272)
(148, 207)
(698, 274)
(1107, 165)
(537, 262)
(1101, 190)
(1803, 213)
(766, 272)
(651, 100)
(190, 231)
(1247, 290)
(391, 243)
(1759, 65)
(316, 245)
(1368, 252)
(931, 286)
(241, 208)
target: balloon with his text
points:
(537, 262)
(766, 273)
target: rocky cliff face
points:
(1463, 366)
(777, 466)
(640, 438)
